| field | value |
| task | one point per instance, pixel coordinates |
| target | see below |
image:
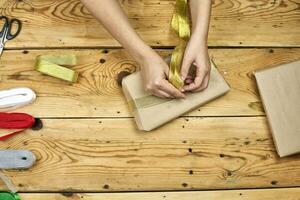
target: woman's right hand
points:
(155, 72)
(154, 69)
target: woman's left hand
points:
(196, 53)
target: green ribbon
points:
(9, 196)
(51, 65)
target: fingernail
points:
(182, 90)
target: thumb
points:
(185, 67)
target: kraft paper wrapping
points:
(279, 88)
(151, 112)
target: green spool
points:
(9, 196)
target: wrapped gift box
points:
(151, 112)
(279, 88)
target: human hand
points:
(155, 71)
(196, 53)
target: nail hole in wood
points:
(106, 187)
(184, 184)
(274, 182)
(38, 124)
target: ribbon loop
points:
(181, 25)
(16, 159)
(15, 121)
(15, 98)
(51, 65)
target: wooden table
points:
(90, 144)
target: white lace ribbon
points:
(15, 98)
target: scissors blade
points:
(3, 40)
(1, 49)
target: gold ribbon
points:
(181, 25)
(50, 65)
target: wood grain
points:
(266, 194)
(97, 93)
(66, 23)
(104, 151)
(192, 153)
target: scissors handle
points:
(5, 25)
(11, 35)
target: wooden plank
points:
(65, 23)
(98, 95)
(265, 194)
(191, 153)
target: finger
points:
(167, 87)
(188, 81)
(185, 68)
(204, 84)
(200, 75)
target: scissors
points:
(6, 31)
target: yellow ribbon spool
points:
(181, 25)
(51, 65)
